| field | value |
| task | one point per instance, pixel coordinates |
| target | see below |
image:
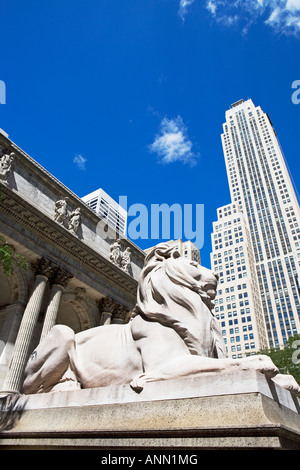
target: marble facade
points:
(70, 278)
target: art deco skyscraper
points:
(261, 186)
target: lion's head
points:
(179, 294)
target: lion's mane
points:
(171, 294)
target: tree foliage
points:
(9, 259)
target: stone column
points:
(59, 281)
(107, 307)
(13, 382)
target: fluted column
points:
(14, 377)
(59, 280)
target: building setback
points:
(261, 186)
(237, 305)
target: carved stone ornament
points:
(115, 253)
(80, 293)
(121, 312)
(74, 221)
(61, 211)
(44, 267)
(61, 276)
(6, 163)
(126, 260)
(119, 258)
(107, 304)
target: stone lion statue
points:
(172, 333)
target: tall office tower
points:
(108, 209)
(238, 305)
(260, 184)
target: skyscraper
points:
(261, 186)
(238, 304)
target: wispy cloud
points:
(80, 162)
(184, 7)
(172, 143)
(212, 7)
(282, 15)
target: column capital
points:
(107, 304)
(43, 267)
(120, 313)
(61, 277)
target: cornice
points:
(61, 239)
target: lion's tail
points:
(219, 346)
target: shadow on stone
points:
(10, 411)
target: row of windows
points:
(242, 303)
(239, 348)
(226, 224)
(219, 244)
(232, 288)
(237, 339)
(228, 299)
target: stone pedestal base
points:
(214, 411)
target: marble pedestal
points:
(215, 411)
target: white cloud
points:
(293, 5)
(79, 161)
(183, 7)
(282, 15)
(274, 16)
(212, 7)
(172, 143)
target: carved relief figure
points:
(6, 162)
(126, 261)
(172, 333)
(115, 252)
(74, 221)
(61, 211)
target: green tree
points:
(286, 359)
(9, 259)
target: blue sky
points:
(130, 95)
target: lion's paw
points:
(261, 363)
(137, 383)
(288, 382)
